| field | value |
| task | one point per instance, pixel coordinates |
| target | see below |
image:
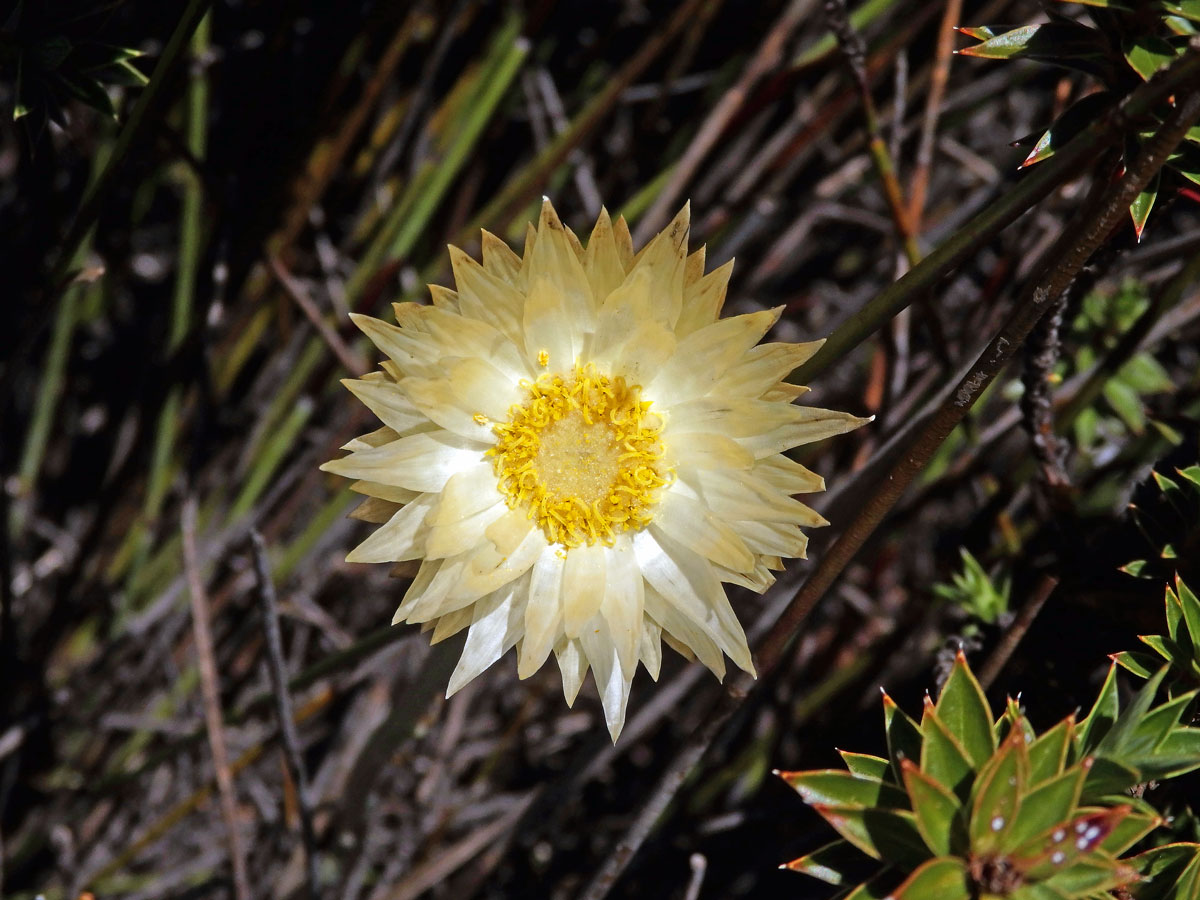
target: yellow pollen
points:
(480, 419)
(543, 358)
(583, 455)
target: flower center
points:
(583, 455)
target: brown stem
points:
(1016, 631)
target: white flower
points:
(579, 451)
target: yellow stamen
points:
(584, 456)
(543, 358)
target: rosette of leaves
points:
(1125, 44)
(51, 60)
(969, 805)
(1180, 646)
(1169, 519)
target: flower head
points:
(579, 451)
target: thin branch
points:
(351, 361)
(940, 75)
(1016, 631)
(269, 605)
(202, 631)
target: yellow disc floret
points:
(583, 455)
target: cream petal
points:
(405, 349)
(452, 335)
(602, 262)
(402, 537)
(465, 494)
(612, 682)
(623, 607)
(548, 327)
(705, 450)
(703, 300)
(650, 645)
(775, 538)
(650, 345)
(420, 583)
(687, 582)
(497, 622)
(624, 241)
(664, 259)
(387, 492)
(689, 523)
(484, 296)
(387, 401)
(375, 510)
(527, 255)
(682, 633)
(573, 664)
(556, 259)
(763, 367)
(543, 612)
(499, 260)
(376, 438)
(735, 496)
(463, 536)
(490, 569)
(808, 425)
(788, 476)
(420, 462)
(582, 587)
(434, 601)
(450, 625)
(467, 399)
(704, 356)
(507, 532)
(693, 267)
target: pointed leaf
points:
(1139, 210)
(1063, 844)
(866, 765)
(1075, 119)
(1191, 613)
(1104, 712)
(1051, 803)
(832, 863)
(1128, 832)
(1146, 54)
(964, 709)
(1048, 753)
(942, 756)
(833, 787)
(887, 834)
(997, 794)
(1122, 737)
(1108, 777)
(1090, 876)
(1140, 664)
(936, 810)
(936, 879)
(1162, 869)
(903, 735)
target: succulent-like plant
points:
(1170, 522)
(1127, 42)
(968, 805)
(1180, 646)
(974, 592)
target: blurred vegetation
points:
(192, 198)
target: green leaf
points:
(1186, 161)
(1075, 119)
(1061, 43)
(833, 787)
(936, 810)
(1104, 712)
(1178, 754)
(1174, 613)
(831, 863)
(1168, 650)
(996, 794)
(1108, 777)
(1126, 403)
(1140, 664)
(1146, 54)
(1139, 210)
(866, 765)
(942, 756)
(1063, 844)
(1157, 724)
(1189, 9)
(964, 709)
(1048, 753)
(1051, 803)
(936, 879)
(1191, 612)
(1163, 869)
(1128, 832)
(903, 735)
(1090, 876)
(1123, 736)
(887, 834)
